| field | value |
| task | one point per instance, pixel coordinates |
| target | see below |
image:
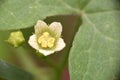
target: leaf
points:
(95, 54)
(9, 72)
(17, 14)
(4, 49)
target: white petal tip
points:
(46, 52)
(32, 42)
(40, 21)
(60, 44)
(57, 27)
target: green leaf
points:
(95, 54)
(17, 14)
(9, 72)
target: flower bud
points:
(16, 38)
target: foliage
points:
(95, 53)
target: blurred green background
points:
(53, 67)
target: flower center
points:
(46, 41)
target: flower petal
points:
(60, 44)
(57, 27)
(32, 42)
(39, 26)
(46, 52)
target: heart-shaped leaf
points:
(16, 14)
(95, 54)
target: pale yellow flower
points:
(47, 38)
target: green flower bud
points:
(16, 38)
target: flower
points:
(16, 38)
(47, 38)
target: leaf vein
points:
(104, 11)
(70, 7)
(98, 31)
(12, 14)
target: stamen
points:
(51, 42)
(45, 34)
(44, 44)
(46, 41)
